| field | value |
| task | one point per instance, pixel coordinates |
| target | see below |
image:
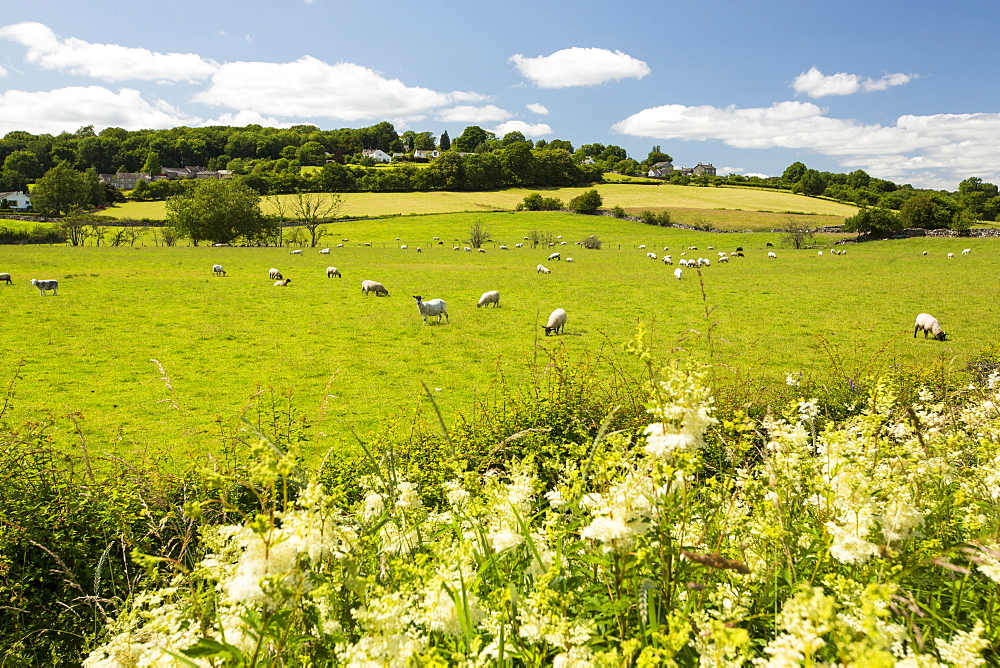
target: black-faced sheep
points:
(928, 323)
(556, 323)
(542, 269)
(217, 270)
(282, 283)
(373, 286)
(333, 271)
(432, 307)
(274, 274)
(491, 297)
(5, 277)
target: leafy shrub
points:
(535, 202)
(588, 202)
(592, 242)
(655, 217)
(617, 211)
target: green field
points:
(726, 208)
(352, 361)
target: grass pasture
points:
(354, 362)
(726, 208)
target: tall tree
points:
(219, 211)
(471, 138)
(19, 168)
(314, 210)
(655, 156)
(61, 190)
(445, 142)
(793, 172)
(152, 165)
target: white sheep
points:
(368, 244)
(951, 255)
(772, 254)
(569, 259)
(504, 248)
(297, 251)
(966, 251)
(373, 286)
(333, 271)
(491, 297)
(724, 258)
(282, 283)
(467, 249)
(556, 323)
(433, 307)
(924, 253)
(667, 259)
(928, 323)
(404, 247)
(542, 269)
(563, 243)
(519, 245)
(820, 254)
(419, 249)
(325, 251)
(6, 278)
(340, 245)
(456, 248)
(217, 270)
(651, 256)
(555, 256)
(274, 274)
(46, 285)
(437, 238)
(666, 248)
(481, 250)
(559, 237)
(642, 246)
(678, 272)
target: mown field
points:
(726, 208)
(351, 361)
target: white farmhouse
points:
(376, 154)
(16, 200)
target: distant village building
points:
(188, 172)
(16, 200)
(125, 180)
(660, 170)
(428, 154)
(376, 154)
(700, 169)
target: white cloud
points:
(311, 88)
(579, 66)
(915, 147)
(527, 129)
(816, 84)
(243, 118)
(110, 62)
(471, 114)
(536, 108)
(3, 72)
(67, 109)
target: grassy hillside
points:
(728, 208)
(228, 344)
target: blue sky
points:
(907, 91)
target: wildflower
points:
(965, 648)
(407, 497)
(809, 410)
(793, 378)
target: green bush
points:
(588, 202)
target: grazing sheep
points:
(563, 243)
(739, 249)
(297, 251)
(6, 277)
(966, 251)
(678, 272)
(772, 254)
(325, 251)
(769, 245)
(403, 247)
(467, 249)
(373, 286)
(333, 271)
(526, 238)
(724, 258)
(924, 253)
(928, 323)
(433, 307)
(437, 238)
(651, 256)
(456, 248)
(46, 285)
(419, 249)
(542, 269)
(491, 297)
(274, 274)
(642, 246)
(820, 253)
(711, 248)
(282, 283)
(368, 244)
(666, 248)
(559, 237)
(217, 270)
(504, 248)
(569, 259)
(340, 245)
(667, 259)
(555, 256)
(951, 255)
(520, 245)
(481, 250)
(556, 323)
